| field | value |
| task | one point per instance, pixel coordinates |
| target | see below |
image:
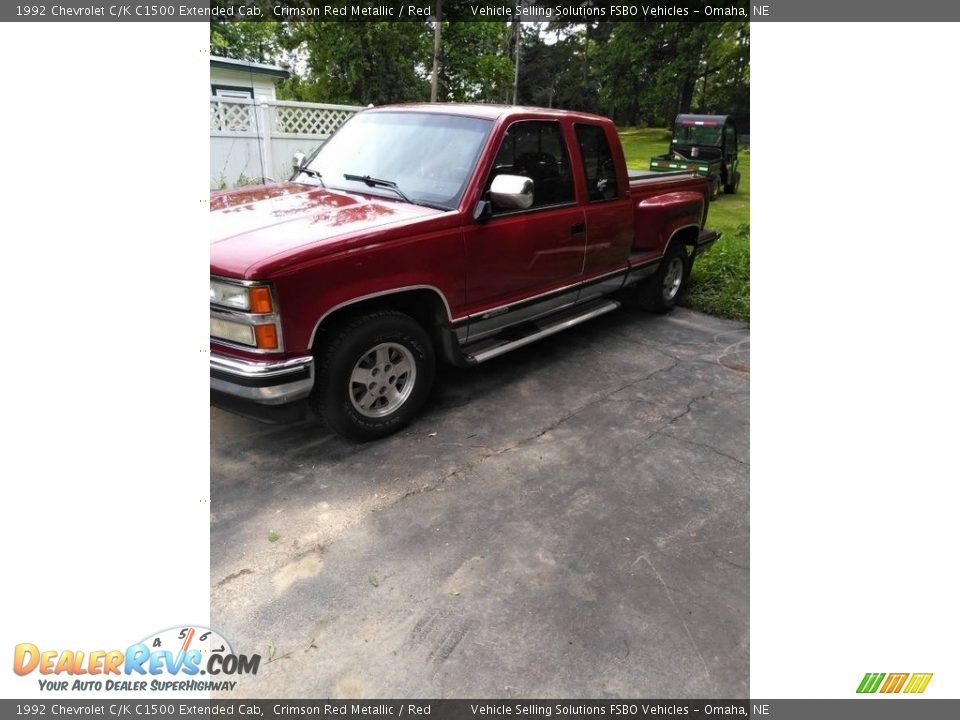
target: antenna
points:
(256, 125)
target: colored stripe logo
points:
(894, 682)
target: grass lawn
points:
(720, 284)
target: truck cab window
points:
(598, 165)
(535, 149)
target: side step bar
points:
(495, 347)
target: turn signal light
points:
(260, 301)
(267, 336)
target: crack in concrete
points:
(659, 429)
(705, 446)
(680, 617)
(687, 410)
(435, 483)
(742, 369)
(234, 576)
(600, 399)
(424, 488)
(470, 466)
(652, 345)
(728, 561)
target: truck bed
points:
(634, 174)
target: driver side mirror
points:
(298, 160)
(512, 192)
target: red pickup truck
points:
(419, 232)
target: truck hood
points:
(251, 225)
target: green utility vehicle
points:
(707, 145)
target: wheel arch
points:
(685, 234)
(424, 303)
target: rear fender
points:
(660, 218)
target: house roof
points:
(247, 66)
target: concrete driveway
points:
(569, 520)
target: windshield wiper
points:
(377, 182)
(313, 174)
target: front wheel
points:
(374, 375)
(660, 291)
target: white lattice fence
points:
(231, 116)
(254, 140)
(298, 119)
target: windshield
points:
(698, 135)
(428, 156)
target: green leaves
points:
(637, 73)
(363, 62)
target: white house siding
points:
(263, 85)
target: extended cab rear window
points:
(598, 163)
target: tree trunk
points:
(686, 95)
(436, 56)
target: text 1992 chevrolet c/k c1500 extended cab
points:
(420, 232)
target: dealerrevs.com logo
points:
(910, 683)
(172, 659)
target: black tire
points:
(714, 188)
(653, 294)
(368, 344)
(732, 187)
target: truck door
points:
(522, 264)
(608, 210)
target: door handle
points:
(578, 228)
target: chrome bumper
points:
(268, 383)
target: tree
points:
(251, 41)
(650, 72)
(362, 62)
(563, 71)
(476, 66)
(637, 73)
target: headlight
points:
(244, 315)
(255, 299)
(231, 296)
(232, 331)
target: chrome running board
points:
(497, 346)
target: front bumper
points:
(278, 382)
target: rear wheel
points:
(374, 375)
(660, 291)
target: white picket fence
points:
(254, 140)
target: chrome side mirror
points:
(512, 192)
(298, 160)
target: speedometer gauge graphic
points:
(184, 638)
